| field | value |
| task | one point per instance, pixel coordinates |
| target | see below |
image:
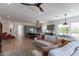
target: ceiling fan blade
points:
(41, 9)
(36, 4)
(28, 4)
(39, 6)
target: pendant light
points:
(65, 23)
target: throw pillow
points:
(63, 42)
(41, 37)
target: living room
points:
(31, 29)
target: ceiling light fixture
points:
(9, 3)
(8, 16)
(71, 9)
(65, 23)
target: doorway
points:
(20, 31)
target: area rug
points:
(19, 52)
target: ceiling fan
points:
(35, 4)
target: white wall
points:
(61, 21)
(5, 25)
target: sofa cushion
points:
(43, 42)
(51, 38)
(68, 38)
(66, 50)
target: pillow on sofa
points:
(68, 38)
(41, 37)
(51, 38)
(63, 42)
(66, 50)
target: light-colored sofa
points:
(52, 42)
(49, 41)
(71, 49)
(67, 50)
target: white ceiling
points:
(29, 14)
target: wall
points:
(5, 25)
(61, 21)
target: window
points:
(44, 28)
(75, 29)
(63, 29)
(31, 30)
(71, 30)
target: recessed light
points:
(9, 3)
(71, 9)
(8, 16)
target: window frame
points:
(70, 25)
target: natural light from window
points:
(75, 29)
(71, 30)
(62, 29)
(44, 29)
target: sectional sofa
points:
(51, 42)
